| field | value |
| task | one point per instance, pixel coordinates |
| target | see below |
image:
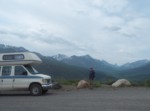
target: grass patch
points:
(68, 82)
(109, 82)
(97, 84)
(147, 83)
(75, 82)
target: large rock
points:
(83, 84)
(121, 82)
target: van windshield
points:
(31, 69)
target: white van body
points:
(17, 73)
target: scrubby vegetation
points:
(98, 83)
(68, 82)
(147, 83)
(75, 82)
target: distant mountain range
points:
(135, 64)
(77, 67)
(87, 61)
(8, 48)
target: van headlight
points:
(46, 81)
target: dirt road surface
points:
(100, 99)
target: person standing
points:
(91, 77)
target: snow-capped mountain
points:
(60, 57)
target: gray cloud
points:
(3, 32)
(43, 36)
(60, 41)
(13, 33)
(113, 28)
(128, 35)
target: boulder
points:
(83, 84)
(121, 82)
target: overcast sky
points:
(117, 31)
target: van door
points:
(0, 78)
(20, 78)
(6, 78)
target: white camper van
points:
(17, 73)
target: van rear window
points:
(13, 57)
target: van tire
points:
(36, 90)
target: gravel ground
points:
(100, 99)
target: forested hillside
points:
(77, 67)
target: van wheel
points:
(36, 90)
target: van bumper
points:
(46, 86)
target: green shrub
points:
(109, 82)
(97, 84)
(137, 83)
(68, 82)
(147, 83)
(75, 82)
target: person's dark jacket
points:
(92, 75)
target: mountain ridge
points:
(77, 67)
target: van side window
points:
(6, 70)
(19, 70)
(30, 69)
(13, 57)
